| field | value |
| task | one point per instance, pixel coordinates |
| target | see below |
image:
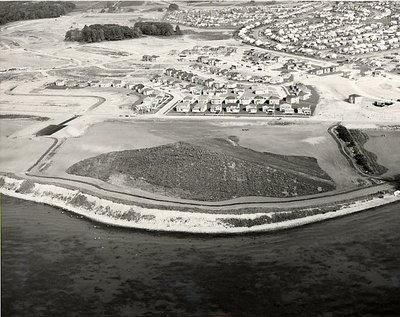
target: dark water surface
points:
(55, 264)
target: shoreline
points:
(111, 213)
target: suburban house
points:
(268, 109)
(147, 91)
(201, 106)
(323, 70)
(95, 83)
(354, 98)
(209, 82)
(251, 108)
(243, 100)
(150, 58)
(233, 108)
(183, 106)
(305, 110)
(83, 84)
(285, 107)
(216, 108)
(217, 100)
(231, 99)
(71, 83)
(130, 85)
(60, 82)
(118, 83)
(259, 100)
(189, 98)
(274, 100)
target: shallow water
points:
(57, 264)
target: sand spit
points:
(132, 216)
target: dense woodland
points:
(11, 11)
(115, 32)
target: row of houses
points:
(239, 76)
(234, 16)
(236, 97)
(209, 51)
(106, 83)
(201, 106)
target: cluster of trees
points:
(359, 157)
(158, 28)
(115, 32)
(102, 32)
(11, 11)
(362, 161)
(173, 7)
(343, 133)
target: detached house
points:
(217, 100)
(183, 106)
(245, 100)
(251, 108)
(354, 98)
(230, 99)
(233, 108)
(285, 108)
(274, 100)
(60, 82)
(259, 100)
(268, 109)
(216, 108)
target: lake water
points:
(57, 264)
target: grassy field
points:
(360, 138)
(386, 146)
(218, 170)
(308, 140)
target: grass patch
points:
(22, 116)
(208, 36)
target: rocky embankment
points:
(130, 215)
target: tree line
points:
(11, 11)
(115, 32)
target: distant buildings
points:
(149, 58)
(354, 98)
(340, 29)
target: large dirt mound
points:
(217, 170)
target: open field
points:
(31, 61)
(386, 146)
(300, 140)
(18, 154)
(360, 138)
(334, 91)
(219, 170)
